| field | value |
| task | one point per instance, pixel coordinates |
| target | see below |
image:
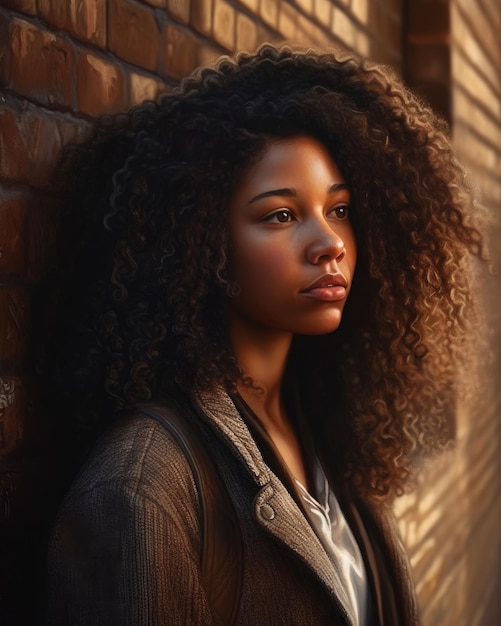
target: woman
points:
(275, 254)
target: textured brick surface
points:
(143, 88)
(224, 24)
(305, 5)
(180, 9)
(133, 33)
(252, 5)
(181, 52)
(31, 142)
(100, 86)
(23, 6)
(42, 64)
(89, 20)
(287, 22)
(155, 3)
(269, 12)
(201, 15)
(4, 49)
(247, 33)
(322, 10)
(55, 13)
(12, 234)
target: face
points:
(293, 248)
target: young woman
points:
(275, 253)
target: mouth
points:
(328, 288)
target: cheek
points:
(260, 266)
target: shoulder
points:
(136, 459)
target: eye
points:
(283, 216)
(341, 211)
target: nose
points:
(325, 245)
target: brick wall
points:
(62, 63)
(453, 57)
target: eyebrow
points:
(287, 192)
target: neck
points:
(262, 354)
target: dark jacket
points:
(125, 550)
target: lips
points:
(328, 288)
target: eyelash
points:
(270, 218)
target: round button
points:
(267, 512)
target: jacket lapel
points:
(274, 508)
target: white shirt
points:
(329, 523)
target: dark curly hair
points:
(144, 247)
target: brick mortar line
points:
(105, 53)
(373, 35)
(461, 123)
(472, 530)
(187, 28)
(478, 103)
(478, 40)
(20, 104)
(493, 23)
(496, 91)
(77, 115)
(257, 18)
(314, 20)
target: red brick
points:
(181, 52)
(287, 21)
(309, 33)
(201, 15)
(269, 12)
(180, 9)
(143, 88)
(133, 33)
(23, 6)
(206, 55)
(72, 130)
(265, 34)
(12, 414)
(250, 4)
(159, 4)
(4, 50)
(14, 325)
(306, 5)
(55, 13)
(42, 64)
(322, 9)
(12, 234)
(100, 85)
(30, 145)
(86, 19)
(246, 33)
(224, 24)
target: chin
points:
(321, 327)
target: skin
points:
(289, 228)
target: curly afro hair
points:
(144, 248)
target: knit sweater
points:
(126, 546)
